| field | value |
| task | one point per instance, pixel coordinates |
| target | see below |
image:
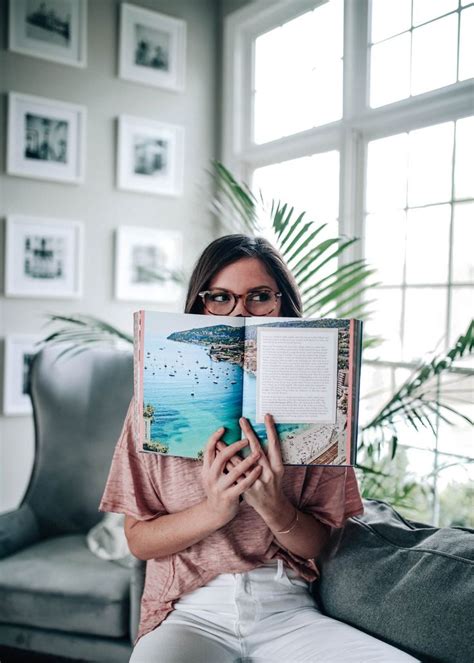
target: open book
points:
(195, 373)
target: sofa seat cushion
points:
(59, 584)
(407, 583)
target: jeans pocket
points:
(286, 576)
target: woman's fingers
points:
(235, 460)
(247, 481)
(221, 458)
(253, 440)
(240, 469)
(210, 448)
(274, 447)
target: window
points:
(353, 111)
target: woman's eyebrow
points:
(255, 287)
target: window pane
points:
(390, 17)
(428, 244)
(386, 305)
(298, 74)
(375, 389)
(466, 45)
(455, 484)
(385, 245)
(430, 164)
(390, 71)
(463, 243)
(387, 173)
(311, 184)
(423, 438)
(424, 10)
(464, 170)
(456, 496)
(425, 322)
(434, 67)
(458, 438)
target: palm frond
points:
(83, 331)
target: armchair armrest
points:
(18, 529)
(137, 582)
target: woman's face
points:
(241, 277)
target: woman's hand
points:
(265, 494)
(223, 490)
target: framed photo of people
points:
(150, 156)
(19, 352)
(152, 48)
(49, 29)
(148, 264)
(43, 257)
(46, 138)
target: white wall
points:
(97, 202)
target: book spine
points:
(356, 394)
(355, 353)
(138, 335)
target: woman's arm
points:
(171, 533)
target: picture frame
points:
(43, 257)
(152, 48)
(150, 156)
(19, 350)
(141, 253)
(46, 138)
(54, 30)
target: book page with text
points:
(297, 374)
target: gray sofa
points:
(409, 584)
(56, 597)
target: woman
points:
(230, 543)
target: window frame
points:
(350, 135)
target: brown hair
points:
(230, 248)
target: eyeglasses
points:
(256, 302)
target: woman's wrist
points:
(280, 515)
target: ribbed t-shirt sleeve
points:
(333, 496)
(129, 488)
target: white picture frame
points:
(139, 253)
(54, 30)
(152, 48)
(150, 156)
(43, 257)
(19, 350)
(46, 138)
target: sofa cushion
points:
(59, 584)
(409, 584)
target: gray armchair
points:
(56, 597)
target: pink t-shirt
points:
(146, 486)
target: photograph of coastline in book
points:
(195, 373)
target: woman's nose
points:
(240, 308)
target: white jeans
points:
(266, 615)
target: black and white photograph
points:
(46, 138)
(43, 257)
(150, 156)
(148, 264)
(152, 48)
(49, 29)
(20, 350)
